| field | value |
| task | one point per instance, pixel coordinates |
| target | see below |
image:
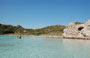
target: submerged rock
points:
(77, 30)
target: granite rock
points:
(77, 30)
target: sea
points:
(41, 47)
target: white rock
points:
(77, 30)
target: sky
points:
(41, 13)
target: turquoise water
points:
(33, 47)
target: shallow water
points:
(33, 47)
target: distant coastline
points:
(55, 31)
(49, 31)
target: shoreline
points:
(47, 36)
(83, 38)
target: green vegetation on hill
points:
(78, 23)
(9, 29)
(50, 30)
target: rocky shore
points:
(77, 31)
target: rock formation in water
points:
(77, 31)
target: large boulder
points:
(86, 30)
(77, 30)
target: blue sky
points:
(42, 13)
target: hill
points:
(50, 30)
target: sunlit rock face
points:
(77, 30)
(86, 30)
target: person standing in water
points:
(18, 36)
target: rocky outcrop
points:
(77, 31)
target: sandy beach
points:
(48, 36)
